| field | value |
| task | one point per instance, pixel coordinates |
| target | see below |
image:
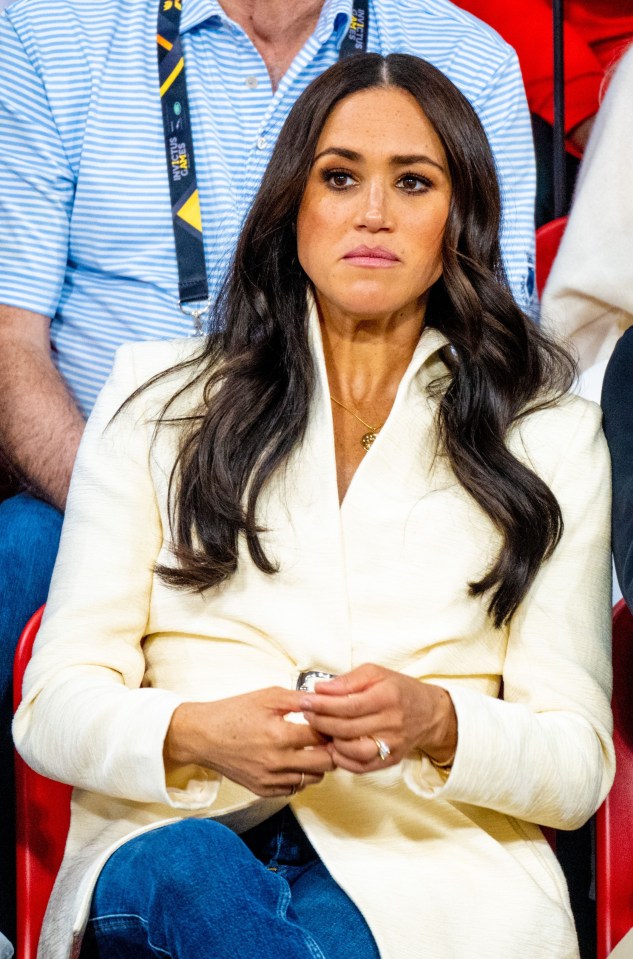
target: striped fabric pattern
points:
(85, 228)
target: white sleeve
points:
(544, 753)
(589, 294)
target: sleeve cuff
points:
(191, 787)
(143, 768)
(480, 758)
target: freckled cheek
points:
(430, 239)
(319, 231)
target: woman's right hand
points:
(247, 739)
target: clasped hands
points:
(248, 739)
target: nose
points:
(373, 213)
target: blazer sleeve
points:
(86, 718)
(544, 752)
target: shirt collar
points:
(195, 12)
(335, 17)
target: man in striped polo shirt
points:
(88, 256)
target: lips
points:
(371, 256)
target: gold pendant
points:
(367, 440)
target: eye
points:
(338, 179)
(414, 183)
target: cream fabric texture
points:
(443, 867)
(588, 298)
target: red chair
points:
(548, 238)
(42, 820)
(614, 821)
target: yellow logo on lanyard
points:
(168, 4)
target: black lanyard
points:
(355, 40)
(193, 287)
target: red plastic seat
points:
(548, 238)
(614, 821)
(43, 817)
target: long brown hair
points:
(258, 368)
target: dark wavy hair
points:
(257, 370)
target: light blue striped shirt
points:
(85, 219)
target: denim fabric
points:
(194, 889)
(29, 538)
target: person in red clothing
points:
(596, 33)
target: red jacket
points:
(596, 33)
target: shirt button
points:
(251, 82)
(261, 143)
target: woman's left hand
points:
(373, 703)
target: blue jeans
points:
(29, 538)
(195, 889)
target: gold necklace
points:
(368, 438)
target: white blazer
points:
(442, 866)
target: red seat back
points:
(43, 817)
(548, 238)
(614, 821)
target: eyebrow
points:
(400, 159)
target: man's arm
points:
(40, 424)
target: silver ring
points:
(301, 782)
(383, 749)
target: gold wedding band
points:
(296, 789)
(383, 749)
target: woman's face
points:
(372, 218)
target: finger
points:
(303, 780)
(290, 785)
(353, 765)
(349, 706)
(309, 761)
(332, 727)
(301, 736)
(282, 700)
(313, 765)
(365, 751)
(353, 682)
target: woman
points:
(372, 473)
